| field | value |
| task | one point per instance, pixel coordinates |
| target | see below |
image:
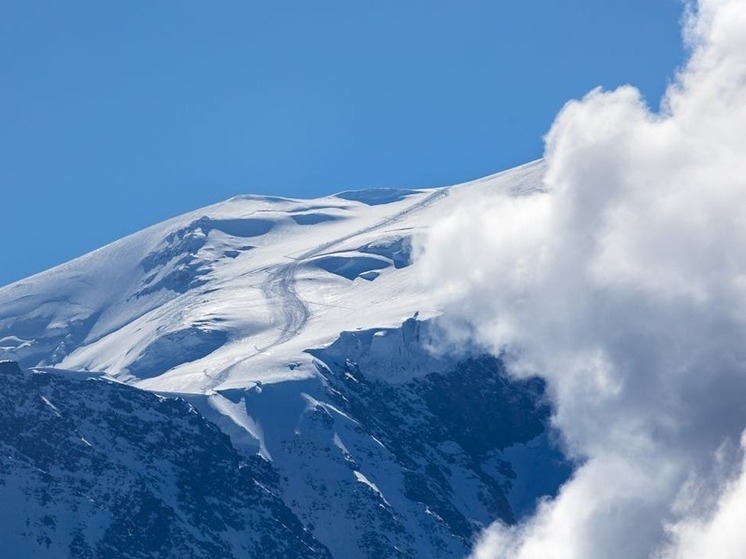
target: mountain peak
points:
(297, 335)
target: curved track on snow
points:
(290, 312)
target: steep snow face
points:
(233, 294)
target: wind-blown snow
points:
(625, 286)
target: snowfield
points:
(234, 294)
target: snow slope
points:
(233, 294)
(300, 329)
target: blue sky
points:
(114, 116)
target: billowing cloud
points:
(624, 285)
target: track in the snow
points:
(289, 311)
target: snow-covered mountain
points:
(299, 328)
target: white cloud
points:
(719, 534)
(624, 285)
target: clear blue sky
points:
(117, 115)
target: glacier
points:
(298, 330)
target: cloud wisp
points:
(624, 285)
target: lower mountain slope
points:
(90, 468)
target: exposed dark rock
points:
(107, 470)
(9, 368)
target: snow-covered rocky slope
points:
(299, 328)
(92, 468)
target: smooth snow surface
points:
(232, 295)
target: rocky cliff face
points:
(405, 454)
(444, 453)
(91, 468)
